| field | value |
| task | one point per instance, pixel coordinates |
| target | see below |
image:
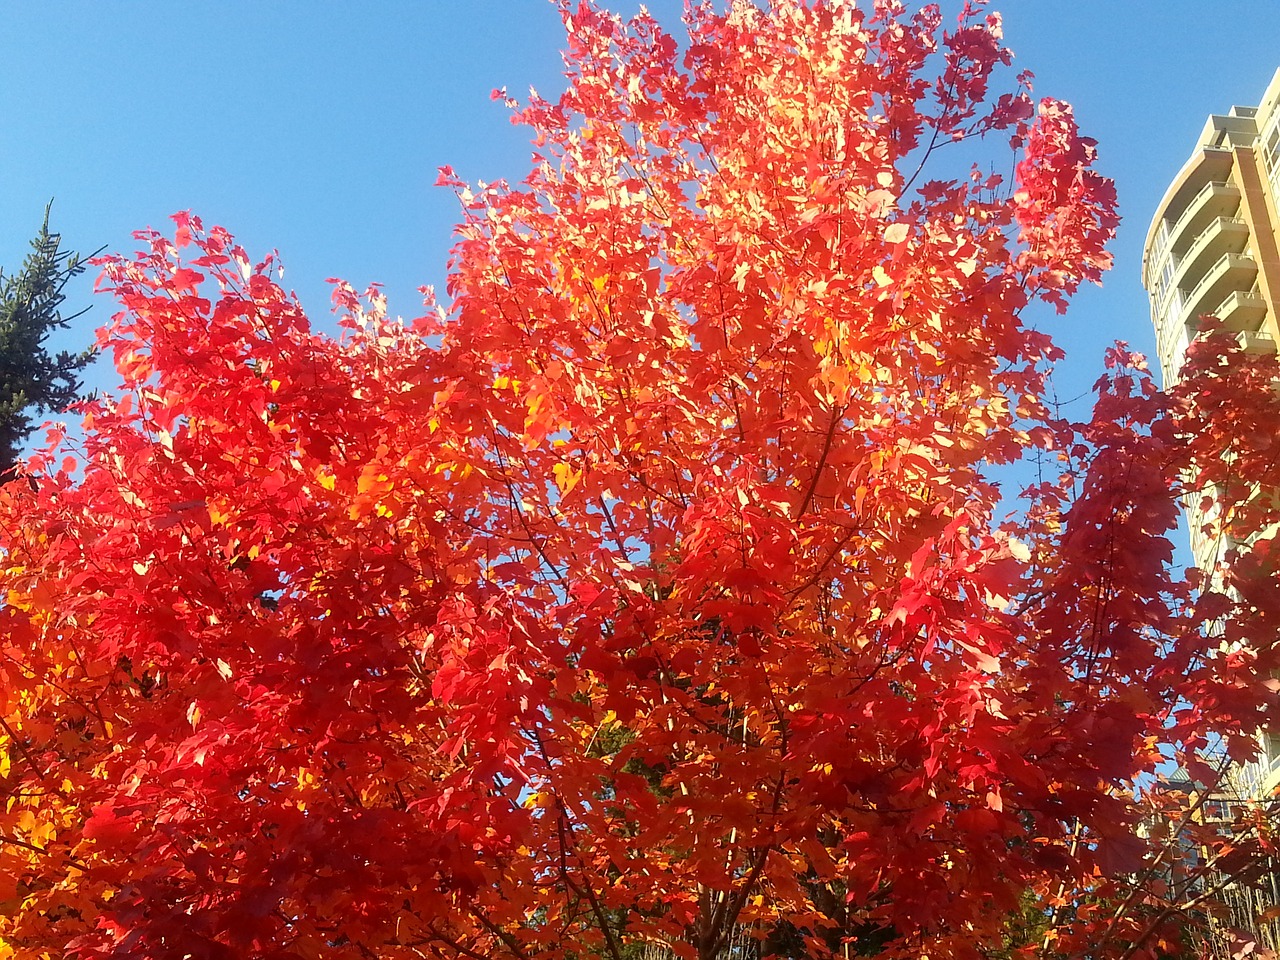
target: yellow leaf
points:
(566, 477)
(217, 516)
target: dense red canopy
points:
(654, 590)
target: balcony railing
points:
(1242, 311)
(1255, 776)
(1216, 228)
(1228, 261)
(1192, 208)
(1257, 341)
(1239, 299)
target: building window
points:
(1270, 141)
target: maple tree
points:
(654, 593)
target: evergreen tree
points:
(34, 381)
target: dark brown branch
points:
(822, 462)
(22, 748)
(457, 946)
(512, 943)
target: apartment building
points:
(1213, 248)
(1214, 245)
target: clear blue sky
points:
(316, 127)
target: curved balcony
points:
(1242, 311)
(1251, 341)
(1232, 272)
(1208, 164)
(1221, 236)
(1217, 198)
(1257, 342)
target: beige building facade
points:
(1213, 247)
(1214, 244)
